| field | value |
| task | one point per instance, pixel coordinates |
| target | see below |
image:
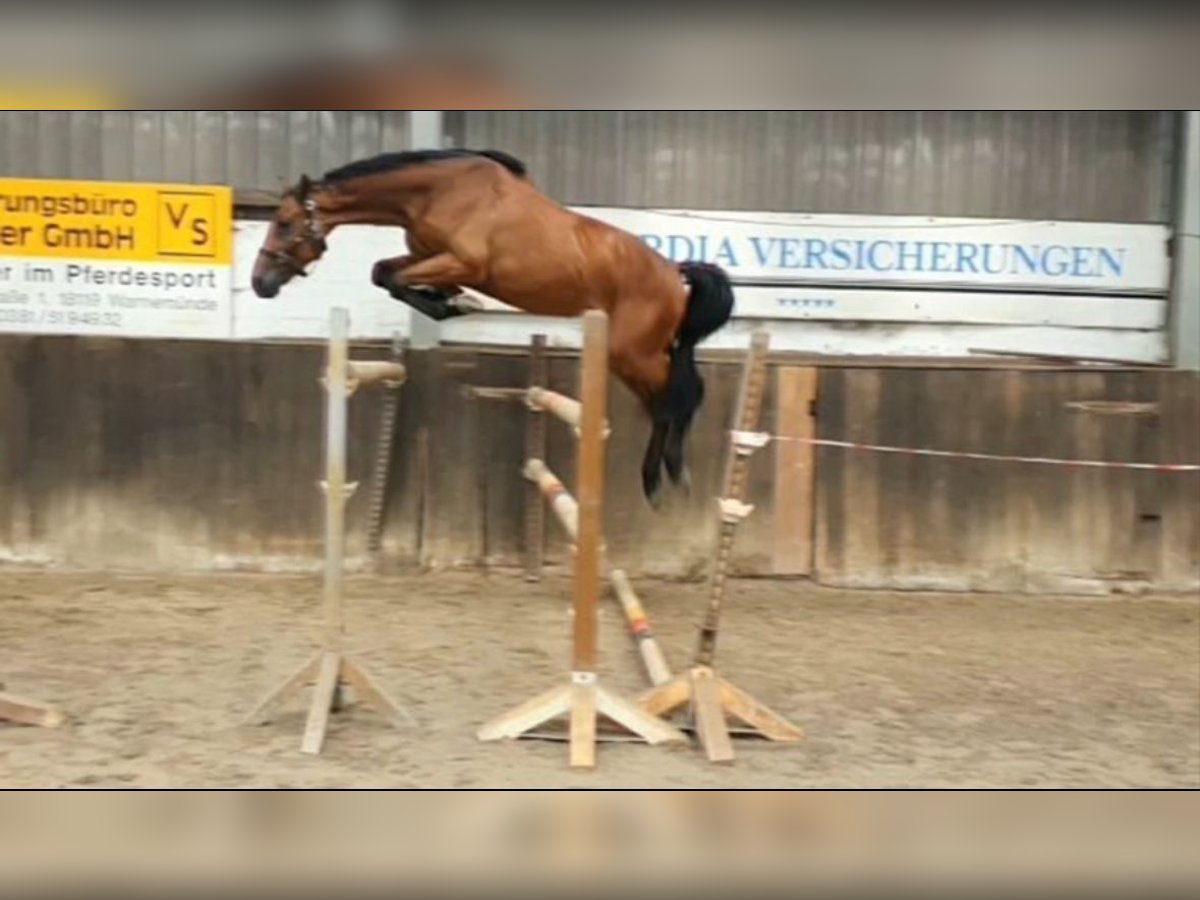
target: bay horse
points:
(472, 219)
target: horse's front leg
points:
(437, 297)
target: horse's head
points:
(294, 241)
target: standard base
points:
(582, 700)
(331, 671)
(25, 711)
(711, 697)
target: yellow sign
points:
(178, 224)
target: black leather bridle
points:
(312, 234)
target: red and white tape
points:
(748, 437)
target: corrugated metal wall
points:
(1106, 166)
(250, 150)
(1101, 166)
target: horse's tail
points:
(710, 305)
(710, 302)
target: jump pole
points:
(711, 696)
(566, 510)
(582, 698)
(25, 711)
(331, 667)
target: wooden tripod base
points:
(583, 700)
(331, 671)
(25, 711)
(711, 696)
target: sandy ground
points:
(155, 673)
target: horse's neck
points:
(374, 200)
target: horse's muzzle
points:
(266, 286)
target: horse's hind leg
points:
(683, 396)
(646, 375)
(652, 461)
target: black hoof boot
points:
(381, 276)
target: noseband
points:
(312, 233)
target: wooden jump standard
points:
(710, 695)
(24, 711)
(582, 698)
(545, 489)
(331, 668)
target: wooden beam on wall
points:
(795, 471)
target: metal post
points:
(1185, 286)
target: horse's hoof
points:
(653, 491)
(684, 481)
(380, 275)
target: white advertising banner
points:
(168, 262)
(1093, 257)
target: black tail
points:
(710, 305)
(710, 302)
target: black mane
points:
(387, 162)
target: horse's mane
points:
(387, 162)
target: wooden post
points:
(336, 491)
(795, 470)
(331, 668)
(710, 695)
(732, 502)
(535, 448)
(583, 699)
(384, 444)
(593, 394)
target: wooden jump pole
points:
(566, 510)
(25, 711)
(331, 668)
(535, 448)
(582, 698)
(711, 696)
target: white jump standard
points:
(331, 668)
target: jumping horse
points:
(473, 220)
